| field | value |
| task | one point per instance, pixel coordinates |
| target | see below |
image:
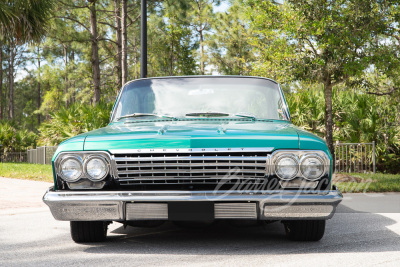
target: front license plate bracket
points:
(191, 211)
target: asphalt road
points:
(354, 237)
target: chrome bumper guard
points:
(153, 205)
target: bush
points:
(73, 120)
(358, 118)
(13, 140)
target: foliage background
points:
(48, 84)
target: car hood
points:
(192, 134)
(205, 133)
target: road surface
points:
(356, 236)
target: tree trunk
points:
(11, 82)
(171, 64)
(38, 86)
(328, 115)
(124, 43)
(200, 31)
(117, 12)
(95, 52)
(201, 53)
(1, 80)
(66, 83)
(72, 63)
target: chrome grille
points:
(159, 211)
(235, 211)
(190, 167)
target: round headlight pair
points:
(95, 167)
(311, 167)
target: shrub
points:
(13, 140)
(73, 120)
(358, 118)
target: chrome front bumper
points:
(153, 205)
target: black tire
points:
(87, 232)
(306, 230)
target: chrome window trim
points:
(112, 115)
(285, 105)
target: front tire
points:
(87, 232)
(305, 230)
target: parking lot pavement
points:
(30, 236)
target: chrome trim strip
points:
(177, 77)
(191, 150)
(165, 194)
(187, 181)
(196, 177)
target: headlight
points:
(96, 168)
(312, 167)
(286, 167)
(71, 169)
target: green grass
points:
(378, 182)
(34, 172)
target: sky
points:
(222, 7)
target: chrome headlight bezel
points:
(104, 160)
(301, 155)
(291, 156)
(83, 157)
(307, 156)
(75, 158)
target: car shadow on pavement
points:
(347, 231)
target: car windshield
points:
(200, 97)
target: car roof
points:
(203, 76)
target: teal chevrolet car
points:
(195, 149)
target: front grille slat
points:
(208, 168)
(157, 164)
(225, 171)
(186, 158)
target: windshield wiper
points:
(136, 115)
(207, 114)
(253, 117)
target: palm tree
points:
(22, 21)
(6, 15)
